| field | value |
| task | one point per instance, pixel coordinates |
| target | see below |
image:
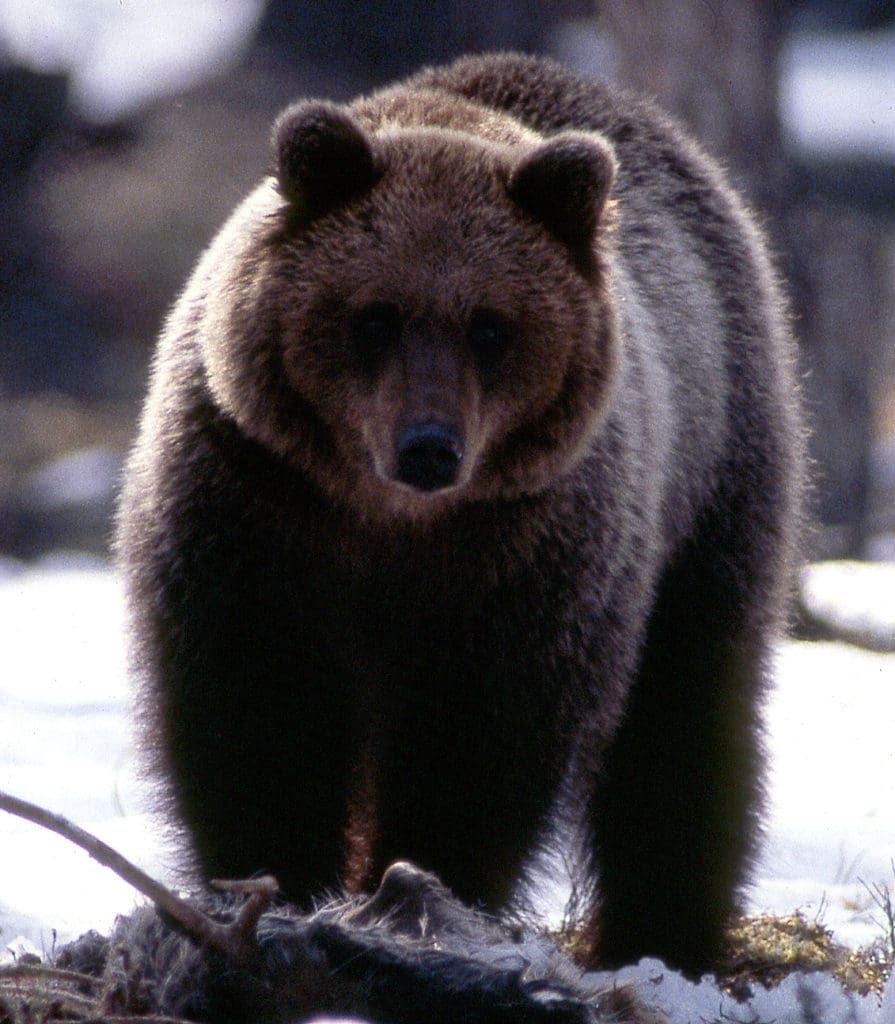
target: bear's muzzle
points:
(428, 455)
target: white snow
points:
(798, 999)
(858, 597)
(65, 743)
(831, 730)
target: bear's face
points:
(423, 319)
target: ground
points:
(65, 743)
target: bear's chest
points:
(430, 615)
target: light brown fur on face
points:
(442, 192)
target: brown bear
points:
(464, 505)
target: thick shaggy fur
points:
(467, 488)
(409, 953)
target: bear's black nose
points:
(429, 455)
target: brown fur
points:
(467, 490)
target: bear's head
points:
(417, 314)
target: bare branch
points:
(236, 939)
(881, 895)
(260, 891)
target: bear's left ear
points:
(564, 183)
(323, 159)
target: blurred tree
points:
(370, 44)
(717, 66)
(48, 336)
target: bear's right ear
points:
(323, 159)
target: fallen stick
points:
(235, 939)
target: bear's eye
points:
(489, 336)
(375, 329)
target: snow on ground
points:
(65, 743)
(832, 815)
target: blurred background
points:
(130, 128)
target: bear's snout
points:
(428, 455)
